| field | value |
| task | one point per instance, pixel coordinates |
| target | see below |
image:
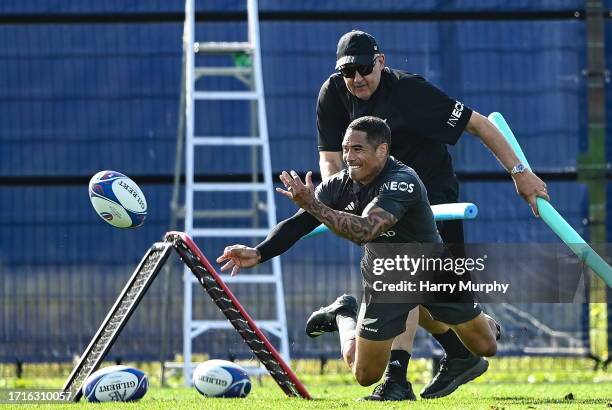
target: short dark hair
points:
(376, 129)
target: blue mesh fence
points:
(75, 106)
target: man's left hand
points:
(529, 186)
(238, 256)
(302, 195)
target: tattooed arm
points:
(356, 228)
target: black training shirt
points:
(421, 117)
(397, 189)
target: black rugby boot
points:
(324, 319)
(391, 390)
(454, 372)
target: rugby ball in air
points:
(220, 378)
(115, 383)
(117, 199)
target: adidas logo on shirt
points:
(350, 207)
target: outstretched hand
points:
(529, 186)
(238, 256)
(302, 195)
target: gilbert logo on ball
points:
(116, 383)
(117, 199)
(220, 378)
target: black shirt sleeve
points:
(285, 234)
(332, 117)
(399, 193)
(434, 115)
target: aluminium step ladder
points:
(250, 75)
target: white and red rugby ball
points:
(115, 383)
(220, 378)
(117, 199)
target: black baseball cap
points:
(356, 47)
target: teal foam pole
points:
(552, 218)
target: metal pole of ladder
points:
(193, 328)
(188, 41)
(253, 18)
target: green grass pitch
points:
(339, 392)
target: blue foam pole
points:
(442, 212)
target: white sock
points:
(346, 329)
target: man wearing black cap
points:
(423, 121)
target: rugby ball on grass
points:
(220, 378)
(115, 383)
(117, 199)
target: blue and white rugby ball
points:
(117, 199)
(220, 378)
(115, 383)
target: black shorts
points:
(383, 321)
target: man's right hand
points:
(238, 256)
(529, 186)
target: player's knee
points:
(366, 377)
(491, 349)
(487, 348)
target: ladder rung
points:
(217, 213)
(270, 278)
(221, 71)
(225, 95)
(200, 326)
(222, 47)
(229, 186)
(229, 232)
(224, 213)
(227, 141)
(240, 278)
(225, 324)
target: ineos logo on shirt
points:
(456, 114)
(398, 186)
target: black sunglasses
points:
(349, 70)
